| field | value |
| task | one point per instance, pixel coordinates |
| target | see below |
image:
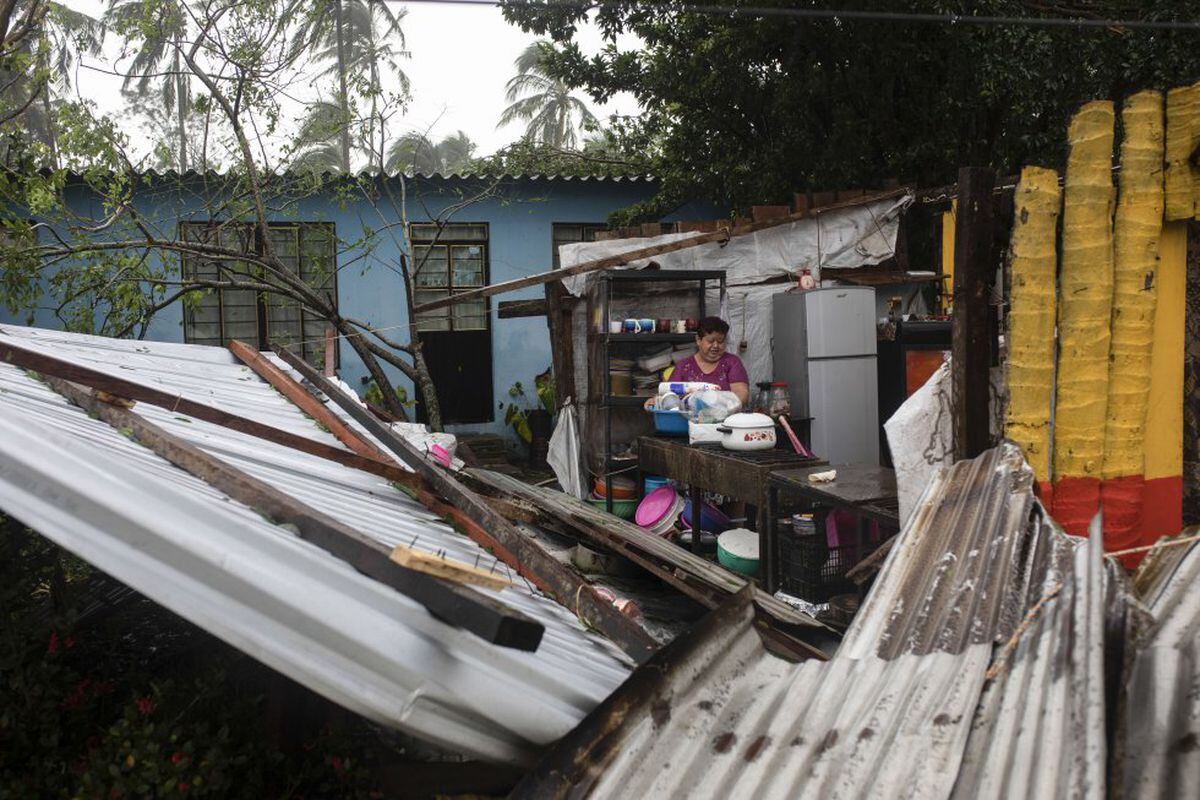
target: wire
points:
(842, 14)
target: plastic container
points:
(712, 519)
(625, 509)
(623, 488)
(779, 402)
(658, 510)
(653, 482)
(737, 550)
(670, 423)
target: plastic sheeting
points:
(920, 434)
(844, 238)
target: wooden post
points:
(1191, 381)
(330, 354)
(974, 273)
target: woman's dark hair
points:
(712, 325)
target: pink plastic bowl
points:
(655, 506)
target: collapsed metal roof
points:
(980, 627)
(1158, 737)
(284, 601)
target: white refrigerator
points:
(824, 347)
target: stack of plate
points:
(657, 360)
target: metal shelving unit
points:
(698, 281)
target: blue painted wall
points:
(518, 211)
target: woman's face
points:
(712, 346)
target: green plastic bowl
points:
(740, 539)
(622, 508)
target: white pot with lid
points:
(747, 432)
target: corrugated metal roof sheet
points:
(215, 175)
(252, 583)
(903, 703)
(1157, 750)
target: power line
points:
(848, 15)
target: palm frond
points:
(319, 158)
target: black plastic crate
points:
(812, 570)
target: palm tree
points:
(66, 35)
(417, 154)
(158, 57)
(319, 138)
(358, 38)
(543, 102)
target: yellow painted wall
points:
(1164, 417)
(1034, 261)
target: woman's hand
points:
(649, 404)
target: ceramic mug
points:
(614, 326)
(691, 324)
(645, 326)
(680, 326)
(631, 326)
(662, 326)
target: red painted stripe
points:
(1123, 502)
(1045, 492)
(1163, 511)
(1075, 502)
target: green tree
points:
(552, 115)
(65, 35)
(158, 29)
(747, 108)
(76, 242)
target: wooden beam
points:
(513, 309)
(974, 273)
(469, 510)
(283, 383)
(454, 604)
(701, 580)
(646, 252)
(120, 387)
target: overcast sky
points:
(461, 58)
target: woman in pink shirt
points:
(712, 364)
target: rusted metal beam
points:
(289, 388)
(450, 602)
(644, 252)
(47, 365)
(488, 527)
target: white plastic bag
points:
(563, 454)
(438, 447)
(711, 405)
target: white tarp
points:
(920, 434)
(843, 238)
(921, 437)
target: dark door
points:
(460, 363)
(457, 341)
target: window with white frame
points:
(259, 317)
(447, 260)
